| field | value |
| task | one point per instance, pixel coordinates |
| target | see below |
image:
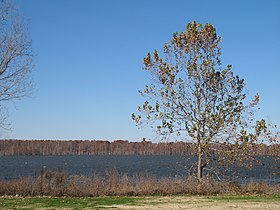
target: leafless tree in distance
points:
(16, 57)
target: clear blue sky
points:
(88, 64)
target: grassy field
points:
(150, 202)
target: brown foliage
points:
(193, 96)
(53, 183)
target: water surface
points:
(12, 167)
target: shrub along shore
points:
(55, 183)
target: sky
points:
(89, 58)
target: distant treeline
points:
(94, 147)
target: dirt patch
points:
(192, 203)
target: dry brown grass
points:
(198, 203)
(53, 183)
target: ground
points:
(209, 203)
(150, 202)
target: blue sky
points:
(88, 63)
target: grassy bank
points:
(150, 202)
(113, 184)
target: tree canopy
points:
(192, 96)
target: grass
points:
(30, 203)
(150, 202)
(59, 184)
(54, 190)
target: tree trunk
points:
(199, 162)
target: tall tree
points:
(15, 55)
(193, 96)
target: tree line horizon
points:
(117, 147)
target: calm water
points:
(161, 166)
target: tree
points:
(192, 96)
(15, 55)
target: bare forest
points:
(118, 147)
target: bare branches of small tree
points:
(191, 95)
(15, 55)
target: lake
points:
(12, 167)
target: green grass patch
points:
(68, 203)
